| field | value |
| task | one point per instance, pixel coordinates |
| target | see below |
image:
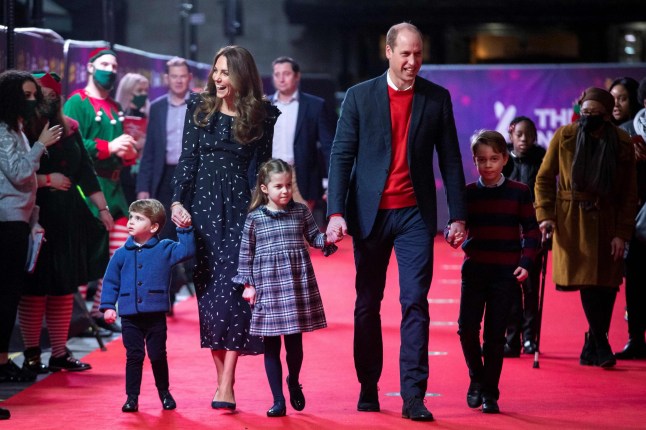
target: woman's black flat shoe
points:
(277, 410)
(223, 405)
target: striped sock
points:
(58, 317)
(30, 313)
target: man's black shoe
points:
(131, 405)
(368, 399)
(474, 395)
(415, 410)
(632, 350)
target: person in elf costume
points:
(100, 118)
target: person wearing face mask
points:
(586, 197)
(76, 249)
(100, 125)
(132, 95)
(19, 161)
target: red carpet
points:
(561, 394)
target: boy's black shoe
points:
(131, 405)
(296, 397)
(415, 410)
(490, 405)
(4, 414)
(368, 399)
(168, 403)
(474, 395)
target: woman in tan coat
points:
(586, 195)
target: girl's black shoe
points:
(296, 397)
(277, 410)
(10, 372)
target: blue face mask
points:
(105, 79)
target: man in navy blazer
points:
(164, 139)
(381, 181)
(303, 132)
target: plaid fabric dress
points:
(274, 257)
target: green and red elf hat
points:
(49, 80)
(98, 52)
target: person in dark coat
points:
(525, 158)
(227, 136)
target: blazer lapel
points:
(382, 102)
(300, 117)
(419, 102)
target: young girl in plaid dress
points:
(278, 276)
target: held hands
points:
(124, 147)
(249, 294)
(50, 136)
(180, 216)
(336, 229)
(521, 274)
(110, 316)
(456, 234)
(617, 246)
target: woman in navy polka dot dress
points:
(227, 134)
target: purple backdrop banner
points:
(39, 49)
(491, 96)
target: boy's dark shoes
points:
(277, 410)
(632, 350)
(67, 362)
(296, 397)
(10, 372)
(368, 399)
(474, 395)
(4, 414)
(168, 403)
(510, 352)
(490, 405)
(131, 405)
(415, 410)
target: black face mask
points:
(28, 109)
(590, 123)
(53, 107)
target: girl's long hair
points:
(270, 167)
(249, 105)
(12, 97)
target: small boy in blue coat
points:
(137, 280)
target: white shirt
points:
(285, 128)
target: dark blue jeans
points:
(404, 231)
(140, 333)
(493, 299)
